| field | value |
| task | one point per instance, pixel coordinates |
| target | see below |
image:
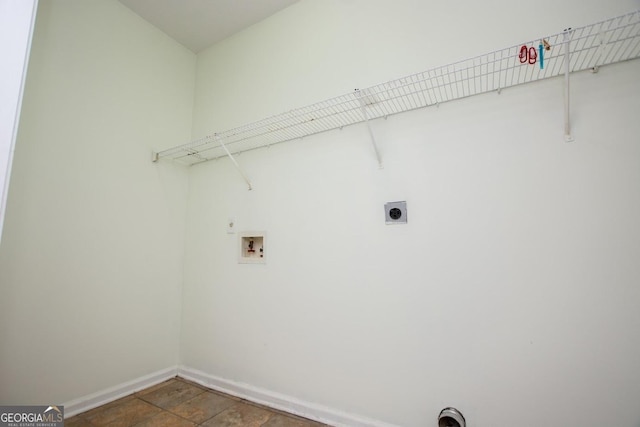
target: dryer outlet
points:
(395, 212)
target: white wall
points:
(315, 50)
(16, 28)
(91, 257)
(511, 294)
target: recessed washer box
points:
(252, 247)
(395, 212)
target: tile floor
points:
(181, 403)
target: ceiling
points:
(198, 24)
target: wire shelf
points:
(591, 46)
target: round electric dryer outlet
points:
(395, 212)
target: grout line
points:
(236, 401)
(140, 397)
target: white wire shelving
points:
(589, 47)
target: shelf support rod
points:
(235, 163)
(567, 70)
(366, 120)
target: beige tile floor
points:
(181, 403)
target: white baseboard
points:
(279, 401)
(258, 395)
(94, 400)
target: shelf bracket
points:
(363, 107)
(600, 52)
(233, 160)
(567, 70)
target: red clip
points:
(533, 55)
(523, 54)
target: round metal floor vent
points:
(451, 417)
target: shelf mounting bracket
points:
(363, 106)
(567, 70)
(233, 160)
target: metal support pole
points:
(567, 68)
(234, 161)
(366, 119)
